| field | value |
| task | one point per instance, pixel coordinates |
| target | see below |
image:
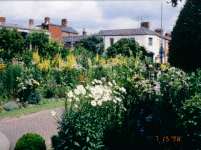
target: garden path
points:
(42, 123)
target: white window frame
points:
(111, 42)
(150, 41)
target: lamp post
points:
(161, 51)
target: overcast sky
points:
(93, 15)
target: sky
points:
(93, 15)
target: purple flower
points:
(103, 79)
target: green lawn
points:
(31, 110)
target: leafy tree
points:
(186, 38)
(93, 43)
(11, 43)
(175, 2)
(38, 39)
(123, 46)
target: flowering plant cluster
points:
(98, 94)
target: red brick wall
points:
(56, 32)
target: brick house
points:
(61, 32)
(144, 36)
(71, 41)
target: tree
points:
(11, 43)
(38, 39)
(175, 2)
(93, 43)
(123, 46)
(185, 45)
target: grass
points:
(31, 110)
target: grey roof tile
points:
(71, 39)
(69, 29)
(12, 25)
(125, 32)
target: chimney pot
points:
(47, 20)
(159, 31)
(2, 19)
(31, 22)
(145, 24)
(84, 32)
(64, 22)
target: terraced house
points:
(151, 40)
(67, 35)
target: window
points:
(111, 41)
(150, 41)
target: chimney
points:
(31, 22)
(2, 19)
(145, 24)
(167, 34)
(64, 22)
(84, 32)
(159, 31)
(47, 20)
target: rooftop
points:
(12, 25)
(126, 32)
(72, 39)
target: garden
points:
(111, 101)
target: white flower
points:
(70, 94)
(114, 82)
(123, 89)
(110, 84)
(53, 113)
(93, 103)
(116, 92)
(99, 103)
(150, 66)
(77, 91)
(100, 82)
(70, 100)
(80, 87)
(141, 70)
(90, 95)
(125, 109)
(118, 99)
(92, 82)
(87, 87)
(77, 99)
(114, 101)
(24, 88)
(76, 106)
(83, 91)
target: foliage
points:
(123, 46)
(10, 106)
(53, 48)
(11, 43)
(38, 39)
(30, 141)
(27, 57)
(93, 43)
(54, 140)
(185, 42)
(1, 109)
(57, 61)
(83, 123)
(35, 97)
(71, 60)
(10, 80)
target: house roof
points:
(12, 25)
(126, 32)
(50, 24)
(71, 39)
(69, 29)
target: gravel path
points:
(42, 123)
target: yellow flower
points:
(142, 78)
(89, 62)
(44, 65)
(123, 72)
(97, 58)
(70, 61)
(36, 57)
(163, 66)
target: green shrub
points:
(54, 140)
(10, 106)
(30, 141)
(11, 84)
(1, 109)
(35, 97)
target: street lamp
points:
(161, 51)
